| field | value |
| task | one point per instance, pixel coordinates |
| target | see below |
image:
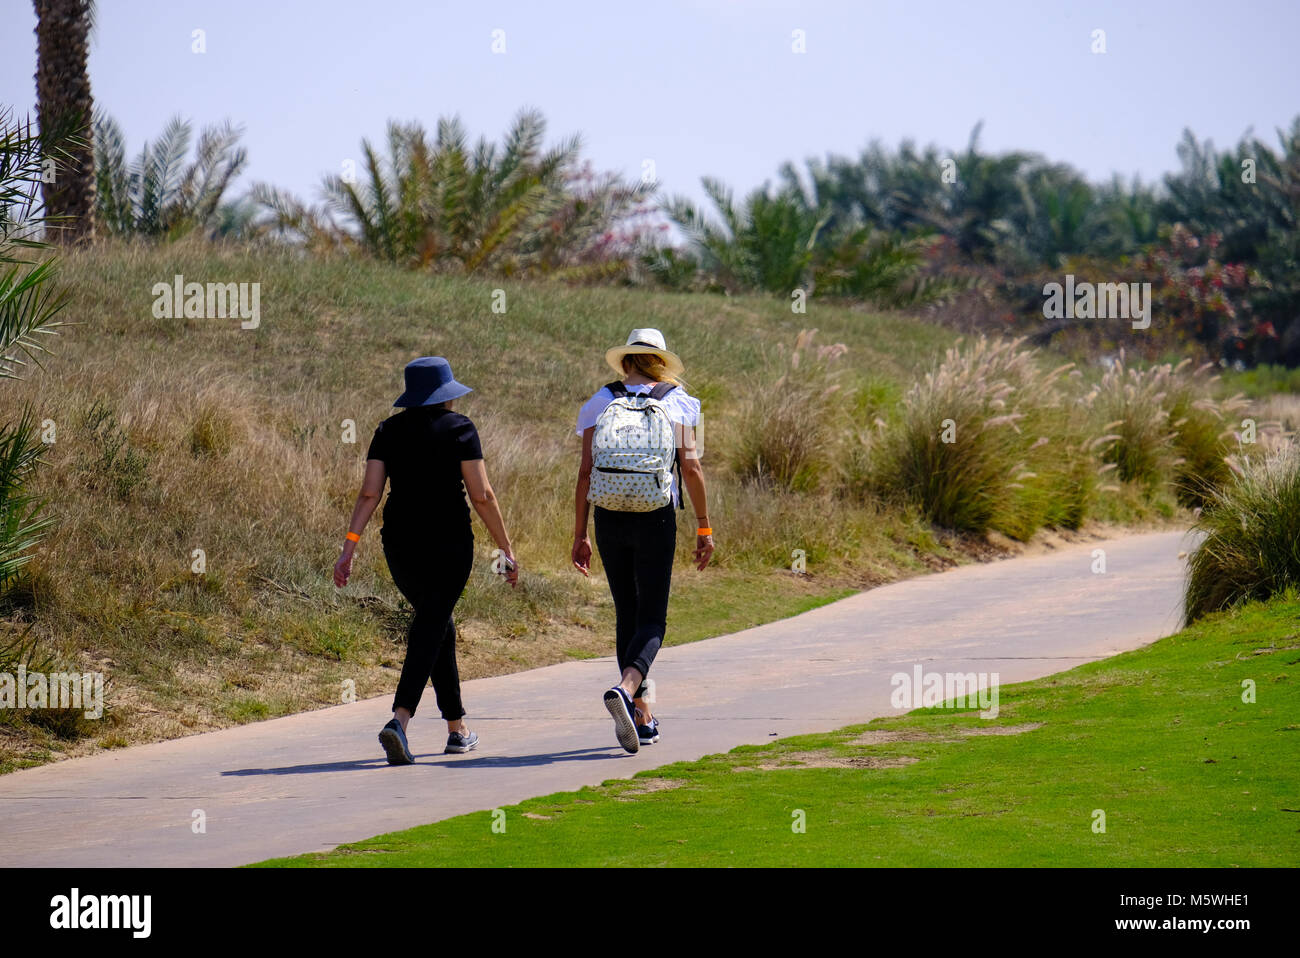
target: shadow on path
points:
(449, 761)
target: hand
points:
(703, 551)
(343, 569)
(512, 575)
(582, 555)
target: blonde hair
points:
(650, 366)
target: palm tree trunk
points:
(64, 109)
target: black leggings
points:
(637, 549)
(431, 572)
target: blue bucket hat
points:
(428, 382)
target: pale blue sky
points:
(702, 87)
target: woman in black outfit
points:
(430, 455)
(636, 548)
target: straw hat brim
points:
(614, 357)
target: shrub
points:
(1164, 424)
(961, 451)
(1264, 381)
(1203, 429)
(1066, 459)
(787, 434)
(113, 462)
(1130, 407)
(212, 432)
(1251, 527)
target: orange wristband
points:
(704, 532)
(352, 537)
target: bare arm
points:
(581, 542)
(485, 503)
(693, 479)
(372, 490)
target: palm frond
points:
(28, 305)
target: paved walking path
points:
(312, 781)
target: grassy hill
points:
(173, 435)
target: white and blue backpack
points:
(633, 451)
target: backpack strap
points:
(681, 485)
(659, 391)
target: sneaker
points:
(393, 739)
(458, 742)
(648, 734)
(620, 707)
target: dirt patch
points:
(346, 850)
(540, 818)
(827, 759)
(1045, 541)
(1001, 729)
(885, 736)
(649, 785)
(1270, 649)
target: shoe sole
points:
(624, 727)
(392, 743)
(459, 751)
(648, 741)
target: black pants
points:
(431, 572)
(637, 549)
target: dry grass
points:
(1250, 527)
(975, 439)
(176, 435)
(1165, 426)
(791, 421)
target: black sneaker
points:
(620, 707)
(458, 742)
(648, 734)
(393, 739)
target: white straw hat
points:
(645, 341)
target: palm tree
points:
(1127, 217)
(447, 205)
(157, 195)
(792, 237)
(28, 306)
(1059, 212)
(982, 207)
(766, 243)
(1258, 222)
(65, 109)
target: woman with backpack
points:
(634, 431)
(430, 455)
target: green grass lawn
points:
(1159, 740)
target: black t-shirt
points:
(422, 448)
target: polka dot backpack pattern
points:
(632, 452)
